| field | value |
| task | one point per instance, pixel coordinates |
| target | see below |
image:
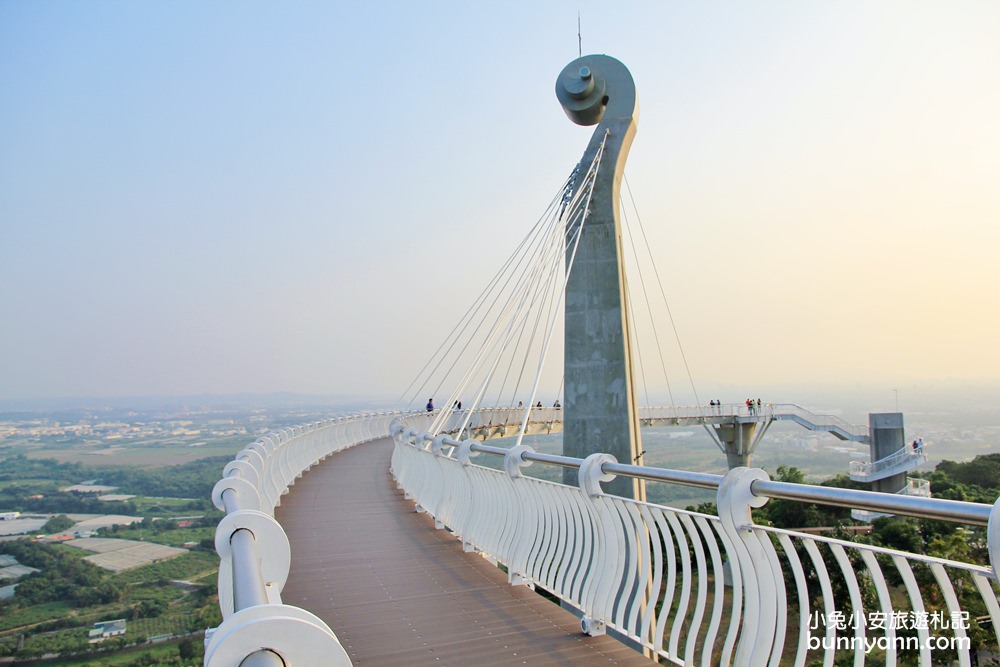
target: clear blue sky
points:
(247, 196)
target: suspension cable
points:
(663, 293)
(470, 316)
(562, 292)
(649, 311)
(520, 280)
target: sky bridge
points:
(390, 538)
(737, 429)
(504, 422)
(379, 539)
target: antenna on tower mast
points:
(579, 36)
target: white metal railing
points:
(831, 423)
(903, 459)
(484, 423)
(694, 588)
(257, 629)
(779, 411)
(701, 589)
(914, 487)
(708, 411)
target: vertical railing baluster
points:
(885, 603)
(829, 603)
(618, 560)
(718, 595)
(671, 589)
(702, 593)
(736, 608)
(857, 607)
(802, 594)
(916, 604)
(777, 585)
(954, 610)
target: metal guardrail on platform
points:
(258, 630)
(900, 461)
(701, 589)
(691, 587)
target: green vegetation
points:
(977, 480)
(54, 609)
(182, 568)
(152, 505)
(62, 578)
(57, 524)
(33, 485)
(165, 531)
(32, 614)
(187, 652)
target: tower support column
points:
(600, 412)
(887, 437)
(737, 441)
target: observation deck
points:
(505, 422)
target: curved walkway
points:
(398, 592)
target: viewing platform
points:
(505, 422)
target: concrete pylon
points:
(887, 438)
(737, 441)
(600, 409)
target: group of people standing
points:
(457, 405)
(753, 407)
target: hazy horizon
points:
(850, 400)
(252, 198)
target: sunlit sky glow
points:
(255, 197)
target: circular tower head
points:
(592, 87)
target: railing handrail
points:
(899, 458)
(254, 550)
(941, 509)
(699, 414)
(599, 552)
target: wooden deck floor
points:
(398, 592)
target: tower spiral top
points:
(595, 87)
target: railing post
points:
(755, 553)
(464, 455)
(258, 630)
(993, 540)
(590, 477)
(248, 580)
(521, 544)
